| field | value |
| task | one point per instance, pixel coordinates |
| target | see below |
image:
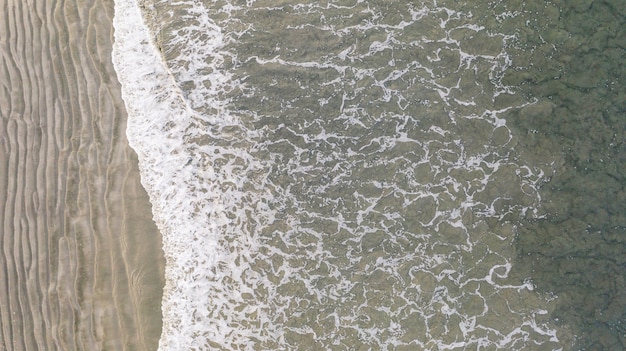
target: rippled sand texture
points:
(80, 259)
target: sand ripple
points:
(80, 259)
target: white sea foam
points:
(329, 230)
(189, 193)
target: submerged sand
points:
(81, 266)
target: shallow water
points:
(369, 175)
(82, 267)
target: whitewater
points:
(335, 175)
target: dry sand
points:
(81, 266)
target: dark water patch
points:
(574, 65)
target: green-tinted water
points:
(391, 175)
(574, 64)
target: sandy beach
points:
(81, 260)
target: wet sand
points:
(81, 266)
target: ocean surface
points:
(382, 175)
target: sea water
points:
(338, 175)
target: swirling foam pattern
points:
(333, 175)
